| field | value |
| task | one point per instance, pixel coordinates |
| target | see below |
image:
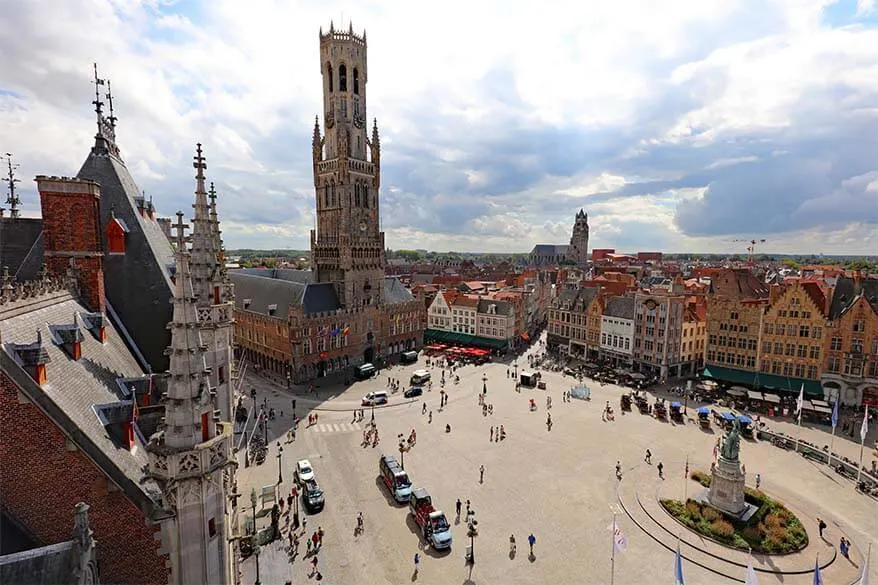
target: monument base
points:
(727, 487)
(703, 497)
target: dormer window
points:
(68, 337)
(116, 231)
(272, 309)
(247, 303)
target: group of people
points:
(370, 435)
(498, 435)
(607, 414)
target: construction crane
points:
(751, 248)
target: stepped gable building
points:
(190, 454)
(345, 311)
(850, 369)
(575, 253)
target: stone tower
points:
(347, 249)
(190, 456)
(213, 293)
(578, 250)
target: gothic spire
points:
(317, 141)
(204, 249)
(188, 395)
(216, 231)
(106, 125)
(375, 141)
(12, 199)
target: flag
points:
(800, 402)
(818, 580)
(620, 543)
(865, 428)
(678, 566)
(750, 577)
(100, 81)
(835, 415)
(346, 331)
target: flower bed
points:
(773, 529)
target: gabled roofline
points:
(34, 393)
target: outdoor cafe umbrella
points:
(637, 376)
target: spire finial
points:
(212, 192)
(180, 226)
(112, 118)
(12, 199)
(331, 27)
(98, 104)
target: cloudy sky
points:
(677, 125)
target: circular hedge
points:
(773, 529)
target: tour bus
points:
(409, 357)
(420, 377)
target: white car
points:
(304, 471)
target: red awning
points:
(525, 336)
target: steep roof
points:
(816, 294)
(549, 249)
(620, 307)
(502, 307)
(846, 293)
(394, 291)
(288, 274)
(256, 293)
(76, 388)
(738, 283)
(138, 282)
(21, 246)
(465, 301)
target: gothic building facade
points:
(575, 253)
(344, 311)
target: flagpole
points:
(864, 576)
(800, 407)
(613, 557)
(863, 431)
(832, 438)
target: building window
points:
(211, 527)
(356, 82)
(832, 364)
(815, 352)
(804, 331)
(800, 371)
(766, 347)
(856, 346)
(342, 78)
(859, 326)
(835, 344)
(780, 329)
(816, 332)
(775, 367)
(812, 372)
(801, 351)
(329, 75)
(764, 365)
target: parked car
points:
(413, 391)
(304, 472)
(313, 496)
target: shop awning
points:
(753, 395)
(737, 391)
(762, 380)
(463, 339)
(773, 398)
(525, 336)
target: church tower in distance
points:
(347, 248)
(578, 250)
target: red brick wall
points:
(42, 481)
(71, 224)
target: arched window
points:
(356, 194)
(348, 141)
(342, 78)
(326, 195)
(365, 195)
(332, 196)
(329, 74)
(356, 82)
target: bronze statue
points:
(732, 442)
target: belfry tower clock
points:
(347, 248)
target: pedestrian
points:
(531, 540)
(457, 507)
(648, 457)
(821, 526)
(467, 507)
(320, 535)
(430, 418)
(482, 473)
(417, 562)
(314, 541)
(661, 470)
(424, 408)
(492, 435)
(758, 480)
(314, 565)
(843, 547)
(618, 470)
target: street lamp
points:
(280, 473)
(254, 538)
(256, 551)
(373, 413)
(472, 532)
(402, 454)
(265, 428)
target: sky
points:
(678, 125)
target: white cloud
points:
(525, 112)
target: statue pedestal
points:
(727, 487)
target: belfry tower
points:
(578, 250)
(347, 248)
(190, 456)
(213, 293)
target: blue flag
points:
(678, 567)
(818, 580)
(835, 415)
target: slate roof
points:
(620, 307)
(75, 388)
(288, 274)
(549, 249)
(21, 246)
(262, 291)
(395, 293)
(503, 307)
(49, 565)
(846, 293)
(137, 283)
(320, 298)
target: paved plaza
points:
(558, 484)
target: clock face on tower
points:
(362, 226)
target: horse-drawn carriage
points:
(642, 404)
(660, 410)
(677, 412)
(704, 417)
(625, 402)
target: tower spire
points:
(12, 199)
(204, 252)
(106, 125)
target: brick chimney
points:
(71, 229)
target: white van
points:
(373, 398)
(420, 377)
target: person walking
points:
(457, 507)
(424, 408)
(821, 526)
(758, 480)
(661, 470)
(618, 470)
(648, 457)
(482, 473)
(430, 418)
(492, 435)
(417, 562)
(531, 541)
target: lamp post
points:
(256, 552)
(373, 413)
(280, 473)
(253, 503)
(254, 538)
(265, 428)
(402, 454)
(472, 532)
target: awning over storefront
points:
(762, 380)
(753, 395)
(463, 339)
(525, 336)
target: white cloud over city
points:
(676, 125)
